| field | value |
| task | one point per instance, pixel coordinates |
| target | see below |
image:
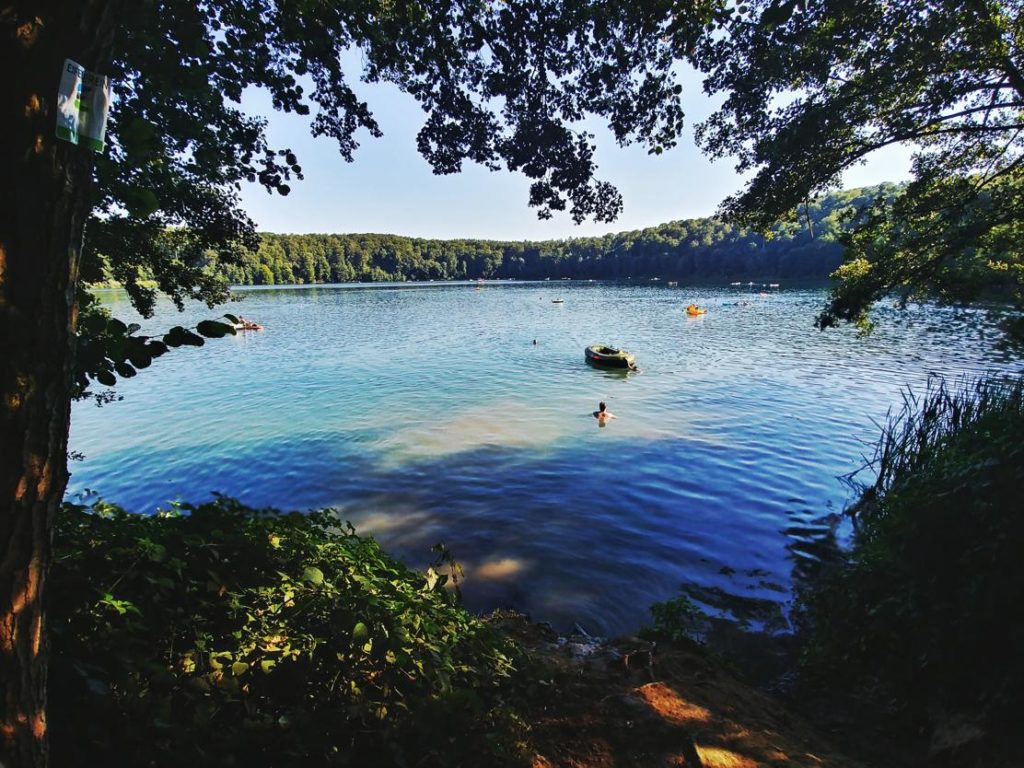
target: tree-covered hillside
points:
(692, 249)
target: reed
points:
(921, 619)
(924, 425)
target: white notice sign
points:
(83, 101)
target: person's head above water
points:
(601, 407)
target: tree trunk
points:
(44, 190)
(807, 215)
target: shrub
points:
(223, 635)
(927, 611)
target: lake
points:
(426, 414)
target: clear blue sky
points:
(391, 189)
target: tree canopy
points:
(812, 88)
(708, 249)
(504, 85)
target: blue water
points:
(427, 414)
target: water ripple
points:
(429, 415)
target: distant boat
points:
(736, 283)
(773, 285)
(672, 283)
(558, 301)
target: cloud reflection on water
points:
(533, 429)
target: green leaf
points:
(313, 575)
(239, 668)
(137, 137)
(94, 323)
(106, 378)
(192, 339)
(175, 337)
(138, 353)
(124, 370)
(116, 327)
(156, 348)
(140, 202)
(232, 318)
(777, 13)
(214, 330)
(432, 579)
(360, 632)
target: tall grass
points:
(925, 424)
(925, 616)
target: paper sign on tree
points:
(83, 101)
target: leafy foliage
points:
(947, 241)
(924, 616)
(108, 349)
(679, 250)
(677, 619)
(813, 88)
(223, 635)
(505, 84)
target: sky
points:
(390, 188)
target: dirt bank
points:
(631, 702)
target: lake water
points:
(427, 414)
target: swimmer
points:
(602, 414)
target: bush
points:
(222, 635)
(927, 611)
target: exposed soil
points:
(633, 703)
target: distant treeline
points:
(693, 249)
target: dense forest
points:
(806, 247)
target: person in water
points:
(602, 414)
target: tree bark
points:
(44, 191)
(807, 216)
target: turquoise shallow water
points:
(426, 414)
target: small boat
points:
(558, 301)
(736, 283)
(672, 284)
(600, 354)
(773, 285)
(693, 310)
(247, 326)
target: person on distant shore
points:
(602, 414)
